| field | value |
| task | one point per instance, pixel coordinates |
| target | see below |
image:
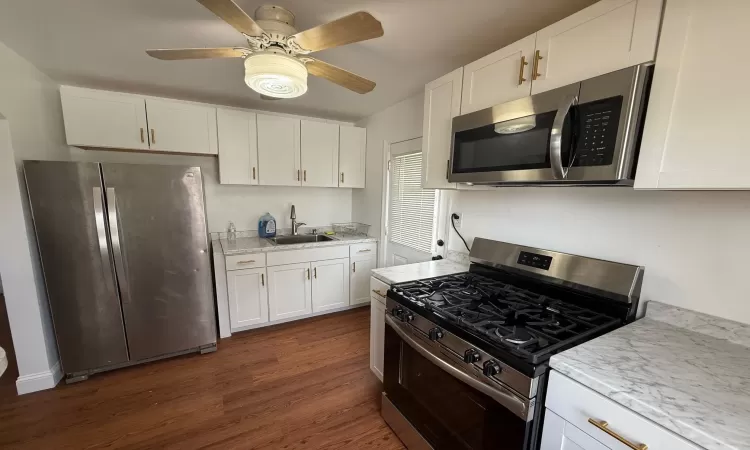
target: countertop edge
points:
(270, 248)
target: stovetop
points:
(529, 325)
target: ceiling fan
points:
(276, 59)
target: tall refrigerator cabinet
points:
(124, 250)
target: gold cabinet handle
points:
(250, 261)
(297, 174)
(262, 280)
(308, 274)
(378, 292)
(447, 169)
(354, 266)
(253, 173)
(142, 138)
(304, 175)
(315, 272)
(604, 426)
(342, 177)
(521, 79)
(535, 72)
(153, 136)
(365, 250)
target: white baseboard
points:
(40, 381)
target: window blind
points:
(412, 209)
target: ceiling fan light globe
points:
(276, 75)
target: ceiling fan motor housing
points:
(275, 20)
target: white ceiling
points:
(101, 43)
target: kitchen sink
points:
(300, 239)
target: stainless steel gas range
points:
(466, 355)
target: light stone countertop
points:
(243, 245)
(686, 371)
(417, 271)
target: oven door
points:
(448, 407)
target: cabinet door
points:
(442, 102)
(557, 434)
(359, 282)
(238, 147)
(319, 154)
(498, 77)
(248, 297)
(352, 154)
(377, 337)
(607, 36)
(330, 284)
(289, 293)
(693, 138)
(278, 151)
(181, 127)
(104, 119)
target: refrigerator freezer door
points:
(159, 241)
(69, 217)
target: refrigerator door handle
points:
(114, 232)
(101, 231)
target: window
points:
(412, 218)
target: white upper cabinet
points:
(693, 137)
(104, 119)
(238, 147)
(176, 126)
(442, 102)
(320, 154)
(279, 151)
(330, 284)
(498, 77)
(352, 154)
(607, 36)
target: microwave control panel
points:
(598, 123)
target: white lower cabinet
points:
(330, 284)
(579, 418)
(248, 297)
(377, 336)
(359, 287)
(289, 291)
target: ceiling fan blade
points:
(356, 27)
(197, 53)
(232, 14)
(339, 76)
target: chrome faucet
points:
(295, 224)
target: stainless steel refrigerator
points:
(124, 250)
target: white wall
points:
(399, 122)
(34, 130)
(244, 204)
(694, 245)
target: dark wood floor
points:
(300, 385)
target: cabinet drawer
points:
(378, 289)
(368, 248)
(307, 255)
(577, 404)
(249, 261)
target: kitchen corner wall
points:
(31, 127)
(243, 204)
(396, 123)
(694, 245)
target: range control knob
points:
(406, 316)
(435, 334)
(397, 313)
(491, 368)
(471, 356)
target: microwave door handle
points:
(559, 171)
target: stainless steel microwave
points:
(586, 133)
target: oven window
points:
(448, 413)
(518, 144)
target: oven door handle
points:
(516, 405)
(559, 171)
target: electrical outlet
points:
(456, 217)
